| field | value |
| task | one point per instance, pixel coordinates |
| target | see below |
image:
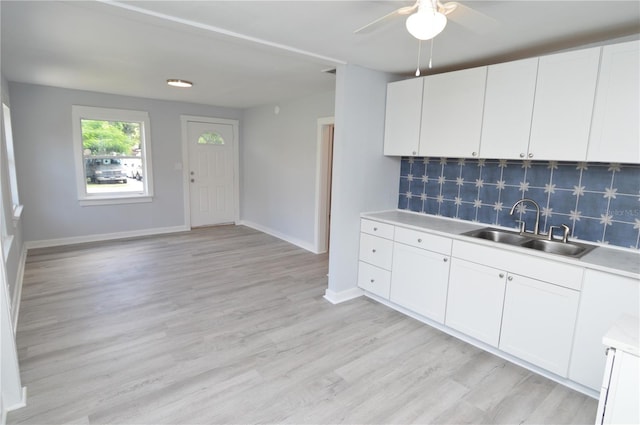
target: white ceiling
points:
(248, 53)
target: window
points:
(113, 159)
(7, 134)
(210, 138)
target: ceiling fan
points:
(427, 18)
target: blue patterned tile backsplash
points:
(599, 202)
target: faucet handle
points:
(566, 233)
(550, 234)
(522, 226)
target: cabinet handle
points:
(510, 278)
(474, 153)
(419, 240)
(521, 155)
(373, 280)
(415, 153)
(373, 250)
(530, 155)
(501, 275)
(375, 229)
(445, 259)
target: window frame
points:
(111, 114)
(7, 136)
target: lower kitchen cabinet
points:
(419, 280)
(551, 314)
(622, 395)
(475, 300)
(605, 297)
(538, 323)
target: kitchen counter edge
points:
(610, 260)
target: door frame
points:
(321, 230)
(185, 119)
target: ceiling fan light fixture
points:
(426, 23)
(174, 82)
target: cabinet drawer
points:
(376, 228)
(551, 271)
(423, 240)
(374, 279)
(376, 251)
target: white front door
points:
(211, 172)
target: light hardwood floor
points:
(228, 325)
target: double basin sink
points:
(567, 249)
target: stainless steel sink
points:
(496, 235)
(569, 249)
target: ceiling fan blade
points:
(398, 12)
(468, 17)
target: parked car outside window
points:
(105, 170)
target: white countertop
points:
(611, 260)
(624, 335)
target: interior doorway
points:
(324, 180)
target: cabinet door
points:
(563, 106)
(402, 120)
(622, 405)
(452, 113)
(419, 281)
(474, 303)
(604, 298)
(538, 323)
(614, 132)
(508, 106)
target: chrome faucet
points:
(536, 229)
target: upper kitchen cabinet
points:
(614, 131)
(508, 105)
(452, 106)
(565, 91)
(402, 121)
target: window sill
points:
(17, 212)
(87, 202)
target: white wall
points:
(278, 157)
(364, 179)
(46, 170)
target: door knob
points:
(193, 173)
(193, 180)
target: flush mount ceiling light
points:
(179, 83)
(427, 22)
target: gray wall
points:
(278, 156)
(46, 170)
(364, 179)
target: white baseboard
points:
(104, 237)
(342, 296)
(20, 405)
(17, 292)
(297, 242)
